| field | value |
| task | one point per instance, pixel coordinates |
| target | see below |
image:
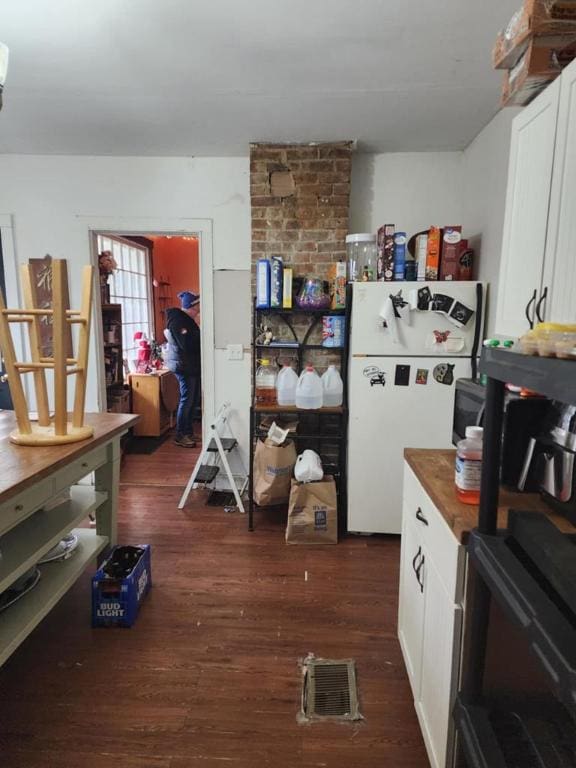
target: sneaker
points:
(185, 442)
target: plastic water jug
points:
(309, 389)
(333, 387)
(286, 384)
(265, 383)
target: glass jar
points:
(361, 257)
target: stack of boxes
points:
(538, 42)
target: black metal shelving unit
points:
(317, 428)
(529, 569)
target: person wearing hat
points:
(183, 359)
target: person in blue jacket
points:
(183, 359)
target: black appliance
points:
(550, 460)
(523, 419)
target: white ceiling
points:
(191, 77)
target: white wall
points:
(483, 190)
(48, 196)
(411, 190)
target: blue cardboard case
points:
(116, 602)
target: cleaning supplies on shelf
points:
(332, 388)
(309, 393)
(286, 384)
(263, 279)
(265, 383)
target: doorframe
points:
(12, 277)
(133, 225)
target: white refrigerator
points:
(409, 342)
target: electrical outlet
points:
(235, 351)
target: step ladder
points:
(214, 457)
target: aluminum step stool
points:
(214, 457)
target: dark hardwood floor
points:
(209, 675)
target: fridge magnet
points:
(375, 375)
(422, 376)
(444, 373)
(460, 314)
(441, 303)
(402, 376)
(424, 298)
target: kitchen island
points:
(41, 501)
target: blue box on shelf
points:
(333, 331)
(116, 601)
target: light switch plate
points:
(235, 351)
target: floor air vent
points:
(330, 690)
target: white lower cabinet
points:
(430, 617)
(411, 608)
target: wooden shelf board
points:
(20, 619)
(28, 542)
(292, 409)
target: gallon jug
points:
(309, 389)
(332, 388)
(265, 383)
(469, 466)
(286, 384)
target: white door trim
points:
(202, 228)
(12, 277)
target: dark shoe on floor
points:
(185, 442)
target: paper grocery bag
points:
(273, 468)
(313, 513)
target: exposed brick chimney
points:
(300, 195)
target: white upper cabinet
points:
(559, 279)
(526, 218)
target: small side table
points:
(155, 399)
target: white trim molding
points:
(203, 229)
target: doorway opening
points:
(141, 277)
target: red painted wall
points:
(174, 260)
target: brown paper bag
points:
(313, 513)
(273, 468)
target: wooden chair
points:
(59, 428)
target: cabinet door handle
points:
(416, 556)
(420, 516)
(527, 310)
(418, 573)
(540, 300)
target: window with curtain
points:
(130, 286)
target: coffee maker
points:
(550, 461)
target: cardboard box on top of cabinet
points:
(541, 20)
(534, 71)
(385, 244)
(451, 244)
(433, 253)
(337, 278)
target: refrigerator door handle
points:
(420, 516)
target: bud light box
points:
(119, 586)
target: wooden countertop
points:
(434, 468)
(23, 465)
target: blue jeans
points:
(189, 399)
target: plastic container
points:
(265, 383)
(361, 257)
(332, 388)
(469, 466)
(309, 393)
(286, 384)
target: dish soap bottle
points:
(469, 466)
